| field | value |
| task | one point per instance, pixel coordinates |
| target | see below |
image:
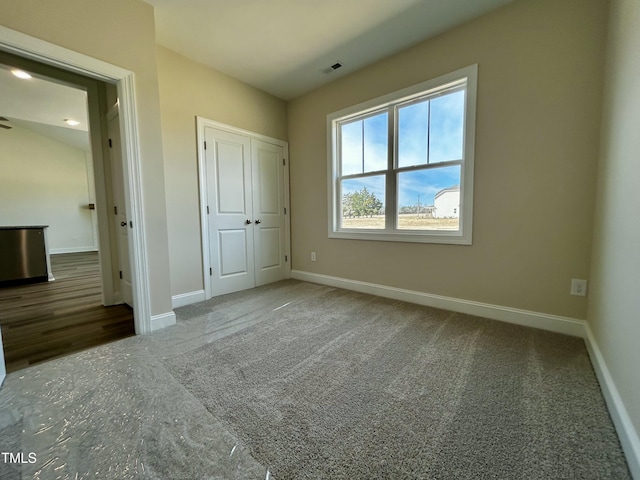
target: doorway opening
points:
(49, 166)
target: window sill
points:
(452, 238)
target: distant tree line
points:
(417, 210)
(364, 203)
(410, 209)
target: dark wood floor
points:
(45, 320)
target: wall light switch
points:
(313, 256)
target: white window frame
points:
(462, 236)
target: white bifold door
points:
(246, 211)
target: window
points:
(401, 166)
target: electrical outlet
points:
(313, 256)
(578, 287)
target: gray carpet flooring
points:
(10, 437)
(343, 385)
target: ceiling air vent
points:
(333, 67)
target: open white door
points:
(120, 212)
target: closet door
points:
(230, 203)
(268, 211)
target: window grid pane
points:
(363, 202)
(429, 199)
(351, 148)
(446, 126)
(375, 143)
(413, 134)
(364, 144)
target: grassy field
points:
(408, 222)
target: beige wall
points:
(120, 32)
(44, 182)
(614, 310)
(538, 112)
(189, 89)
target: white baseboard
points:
(628, 435)
(188, 298)
(544, 321)
(57, 251)
(162, 320)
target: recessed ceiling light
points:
(20, 74)
(71, 122)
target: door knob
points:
(123, 224)
(248, 222)
(258, 221)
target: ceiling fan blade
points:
(5, 126)
(4, 119)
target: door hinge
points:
(286, 258)
(130, 224)
(207, 209)
(115, 209)
(285, 210)
(110, 144)
(205, 145)
(283, 160)
(120, 274)
(210, 271)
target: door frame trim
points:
(50, 54)
(201, 124)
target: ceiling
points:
(285, 47)
(42, 106)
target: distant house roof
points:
(455, 188)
